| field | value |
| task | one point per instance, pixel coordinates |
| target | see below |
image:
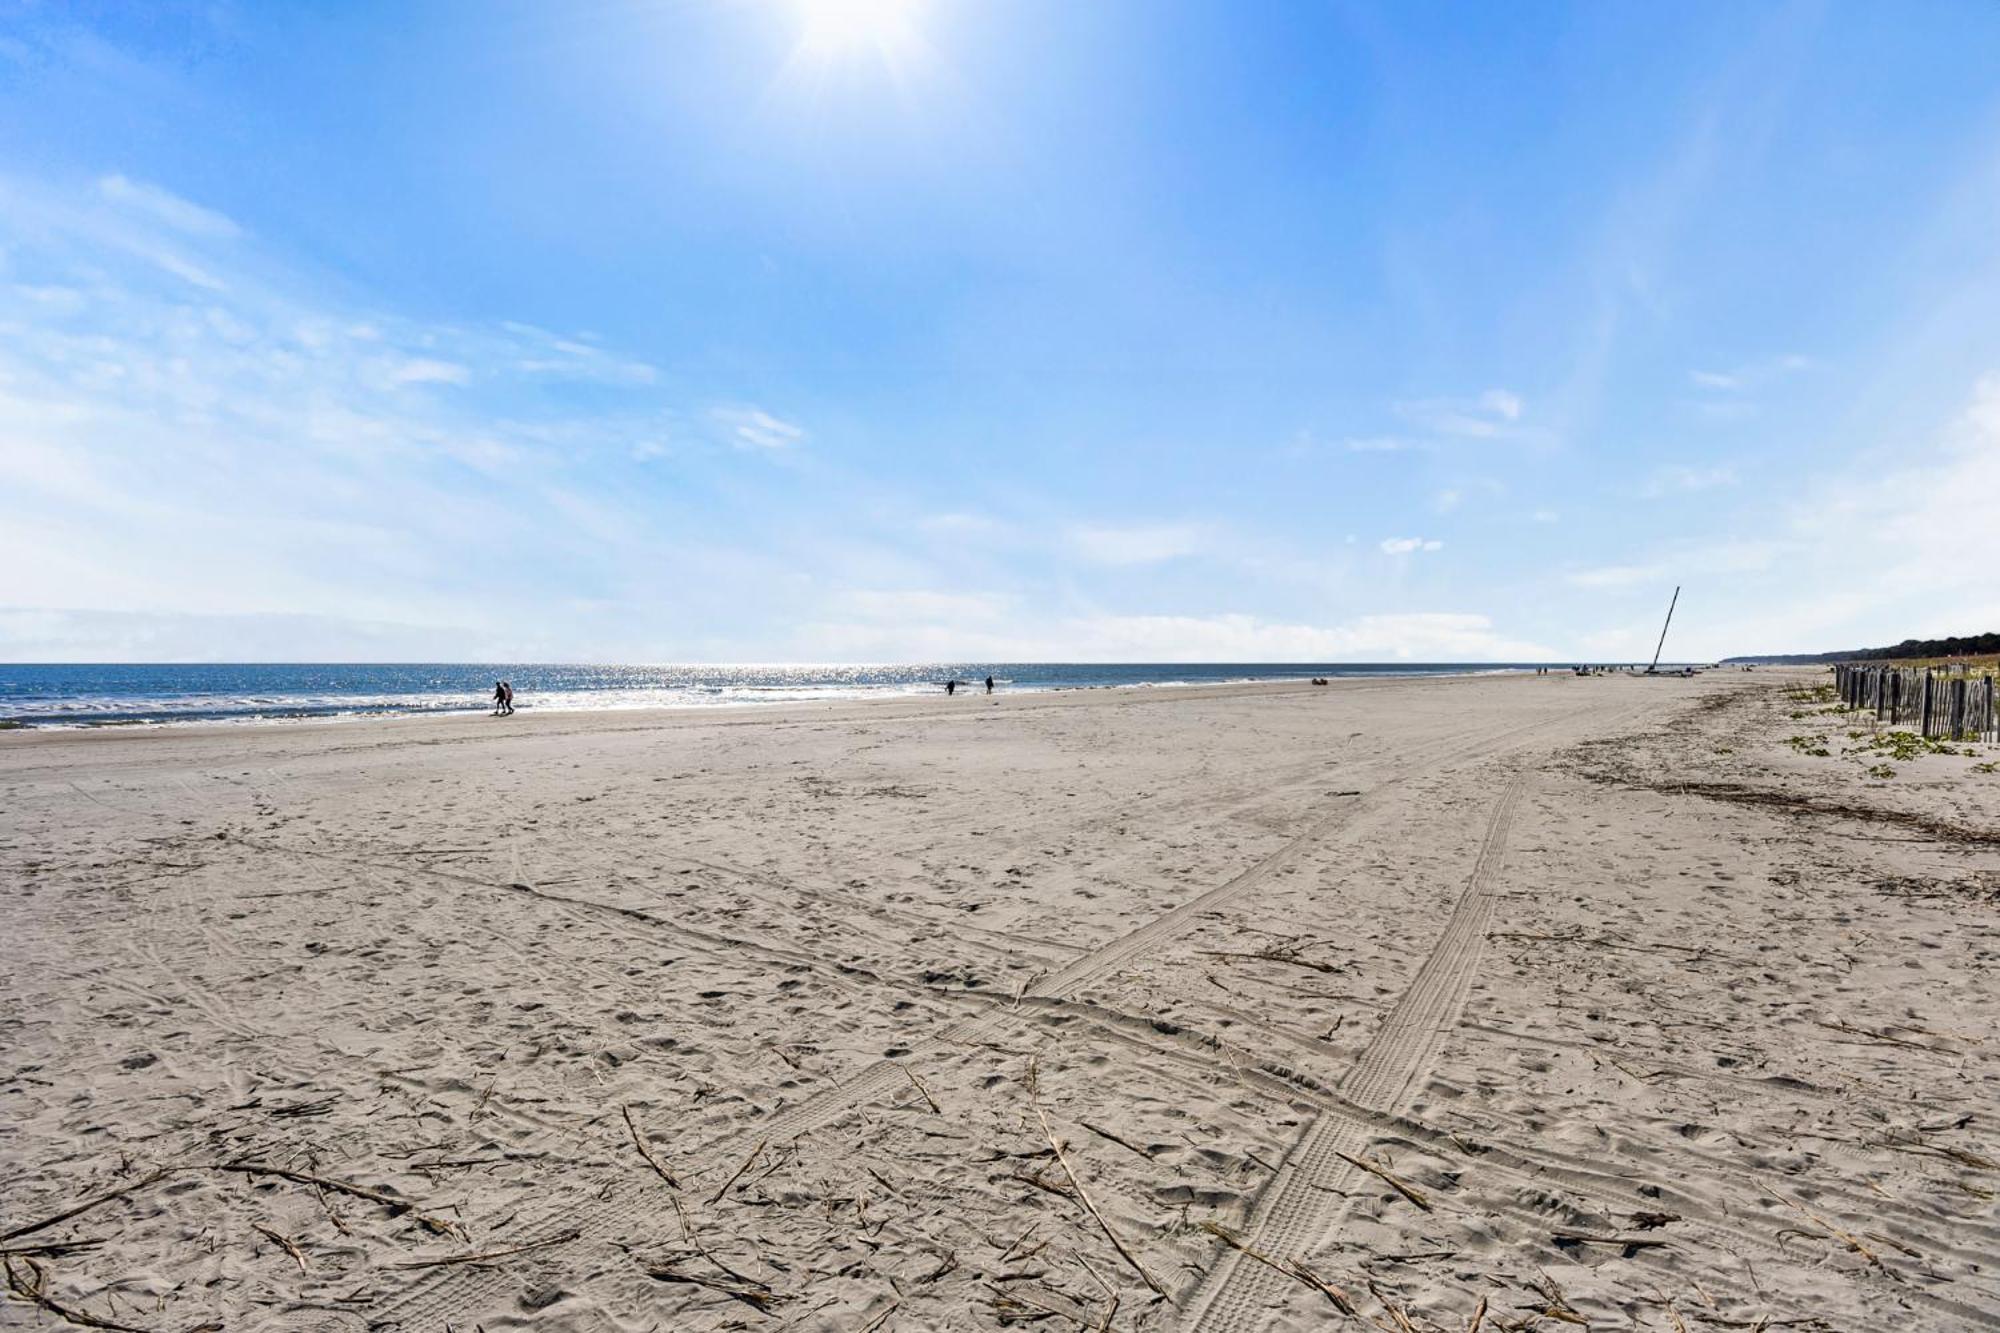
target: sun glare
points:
(832, 28)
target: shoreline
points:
(661, 713)
(138, 711)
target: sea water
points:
(78, 695)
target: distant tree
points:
(1970, 645)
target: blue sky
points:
(861, 330)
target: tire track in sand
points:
(452, 1295)
(1307, 1195)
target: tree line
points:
(1969, 645)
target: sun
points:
(830, 28)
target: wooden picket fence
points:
(1934, 701)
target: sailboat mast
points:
(1663, 630)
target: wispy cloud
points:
(1676, 479)
(1751, 375)
(1420, 636)
(425, 370)
(754, 428)
(1144, 544)
(245, 445)
(1493, 415)
(156, 204)
(1409, 545)
(1681, 562)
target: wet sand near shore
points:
(1540, 1001)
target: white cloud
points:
(1751, 375)
(1147, 544)
(1408, 545)
(549, 355)
(162, 206)
(1496, 414)
(898, 607)
(1676, 479)
(1733, 557)
(1379, 444)
(63, 635)
(1545, 516)
(1423, 636)
(251, 448)
(754, 428)
(424, 370)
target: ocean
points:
(82, 695)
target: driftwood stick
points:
(88, 1204)
(917, 1083)
(1397, 1185)
(389, 1201)
(1091, 1208)
(1630, 1242)
(35, 1289)
(563, 1239)
(1846, 1238)
(1298, 1272)
(50, 1249)
(639, 1142)
(1123, 1143)
(290, 1246)
(754, 1154)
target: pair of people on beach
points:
(951, 686)
(503, 698)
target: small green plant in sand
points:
(1901, 746)
(1992, 766)
(1811, 694)
(1881, 770)
(1809, 744)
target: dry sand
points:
(1568, 1000)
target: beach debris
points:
(88, 1204)
(52, 1249)
(488, 1255)
(1294, 1269)
(1394, 1182)
(1847, 1238)
(1279, 953)
(1127, 1144)
(34, 1289)
(1034, 1098)
(755, 1153)
(285, 1242)
(923, 1091)
(639, 1142)
(757, 1295)
(1555, 1301)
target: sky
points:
(893, 330)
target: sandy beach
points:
(1536, 1001)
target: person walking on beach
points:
(950, 687)
(989, 684)
(507, 705)
(499, 696)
